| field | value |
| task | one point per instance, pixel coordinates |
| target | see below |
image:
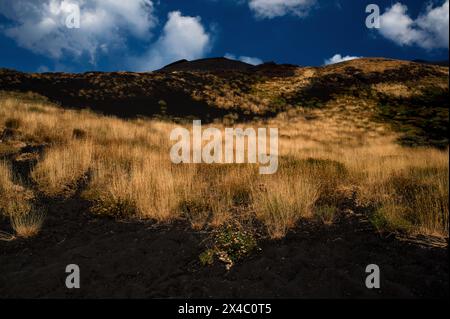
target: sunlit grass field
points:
(331, 161)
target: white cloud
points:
(183, 37)
(246, 59)
(430, 30)
(104, 24)
(105, 27)
(337, 58)
(277, 8)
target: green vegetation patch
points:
(113, 207)
(415, 201)
(422, 120)
(229, 244)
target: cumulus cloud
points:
(183, 37)
(430, 30)
(337, 58)
(276, 8)
(246, 59)
(40, 26)
(105, 28)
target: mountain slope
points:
(411, 97)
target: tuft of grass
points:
(27, 225)
(62, 168)
(281, 202)
(413, 200)
(15, 203)
(326, 214)
(134, 188)
(6, 183)
(14, 198)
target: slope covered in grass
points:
(412, 97)
(331, 160)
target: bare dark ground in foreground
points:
(143, 260)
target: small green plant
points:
(326, 214)
(379, 221)
(391, 218)
(230, 244)
(113, 207)
(207, 257)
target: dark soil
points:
(145, 260)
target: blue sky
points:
(143, 35)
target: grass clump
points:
(326, 214)
(133, 188)
(27, 225)
(414, 201)
(281, 201)
(62, 168)
(14, 198)
(16, 204)
(197, 211)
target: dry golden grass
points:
(15, 203)
(6, 184)
(29, 224)
(280, 202)
(62, 167)
(14, 198)
(326, 156)
(124, 185)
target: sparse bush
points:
(230, 244)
